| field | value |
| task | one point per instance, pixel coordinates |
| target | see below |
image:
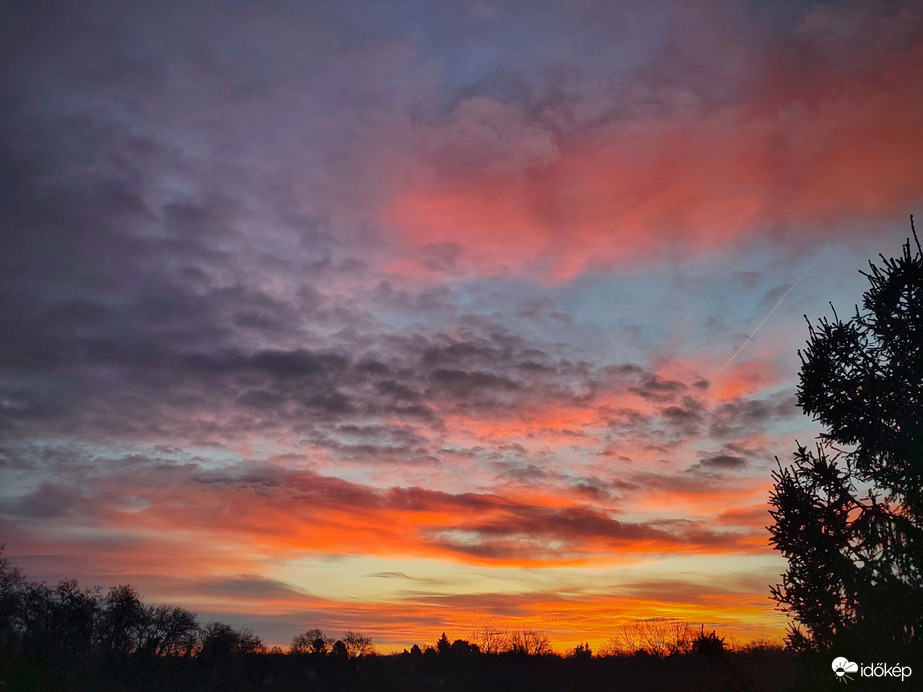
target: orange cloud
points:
(266, 516)
(744, 378)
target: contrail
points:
(766, 319)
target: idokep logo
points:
(843, 666)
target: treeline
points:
(65, 637)
(68, 637)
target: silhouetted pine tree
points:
(848, 515)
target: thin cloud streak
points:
(769, 314)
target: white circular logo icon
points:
(841, 666)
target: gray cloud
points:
(724, 461)
(248, 586)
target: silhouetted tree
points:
(489, 640)
(121, 620)
(582, 651)
(462, 648)
(529, 643)
(339, 650)
(443, 646)
(168, 631)
(659, 637)
(221, 641)
(12, 585)
(314, 641)
(708, 645)
(358, 645)
(59, 623)
(848, 515)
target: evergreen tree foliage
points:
(848, 515)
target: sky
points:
(412, 317)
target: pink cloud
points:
(821, 136)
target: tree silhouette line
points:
(65, 637)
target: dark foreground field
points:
(770, 669)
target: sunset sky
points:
(410, 317)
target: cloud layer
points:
(307, 310)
